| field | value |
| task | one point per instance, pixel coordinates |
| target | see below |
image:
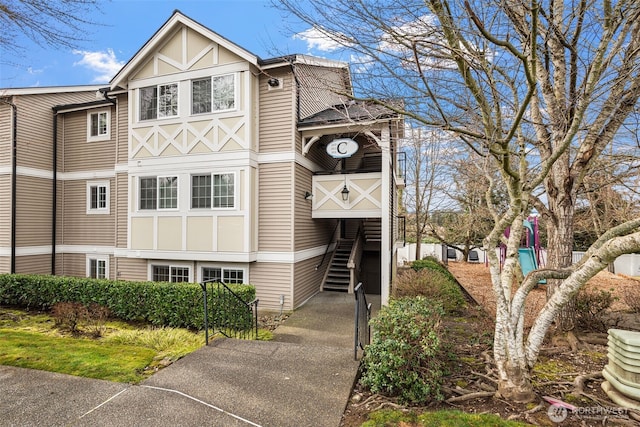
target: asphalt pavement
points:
(303, 377)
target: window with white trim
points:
(169, 273)
(98, 267)
(213, 191)
(158, 193)
(158, 101)
(223, 275)
(98, 125)
(98, 197)
(216, 93)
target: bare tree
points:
(55, 23)
(425, 170)
(541, 88)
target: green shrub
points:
(431, 263)
(159, 303)
(591, 307)
(433, 284)
(404, 357)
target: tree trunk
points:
(560, 254)
(560, 237)
(418, 244)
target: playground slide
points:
(528, 262)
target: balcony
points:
(361, 199)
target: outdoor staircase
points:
(337, 278)
(372, 231)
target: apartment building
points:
(200, 161)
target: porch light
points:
(345, 193)
(308, 195)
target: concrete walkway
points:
(301, 378)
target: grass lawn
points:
(123, 353)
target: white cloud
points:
(104, 64)
(316, 39)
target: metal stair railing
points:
(362, 334)
(355, 257)
(228, 313)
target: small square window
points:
(98, 268)
(98, 197)
(98, 123)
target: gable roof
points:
(177, 19)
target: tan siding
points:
(120, 209)
(33, 211)
(81, 228)
(6, 134)
(5, 264)
(307, 280)
(80, 155)
(309, 233)
(5, 210)
(130, 269)
(274, 224)
(277, 115)
(33, 264)
(74, 265)
(272, 280)
(319, 87)
(122, 129)
(35, 125)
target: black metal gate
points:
(227, 313)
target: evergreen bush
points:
(159, 303)
(404, 358)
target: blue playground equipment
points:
(529, 252)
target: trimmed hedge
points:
(159, 303)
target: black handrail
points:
(228, 313)
(328, 245)
(363, 315)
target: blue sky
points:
(127, 24)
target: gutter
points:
(14, 175)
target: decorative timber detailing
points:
(364, 196)
(213, 135)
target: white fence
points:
(628, 264)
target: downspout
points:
(54, 204)
(14, 175)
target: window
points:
(224, 275)
(158, 193)
(98, 197)
(216, 188)
(223, 191)
(201, 96)
(98, 125)
(147, 193)
(97, 268)
(168, 192)
(224, 93)
(158, 101)
(200, 191)
(213, 94)
(169, 273)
